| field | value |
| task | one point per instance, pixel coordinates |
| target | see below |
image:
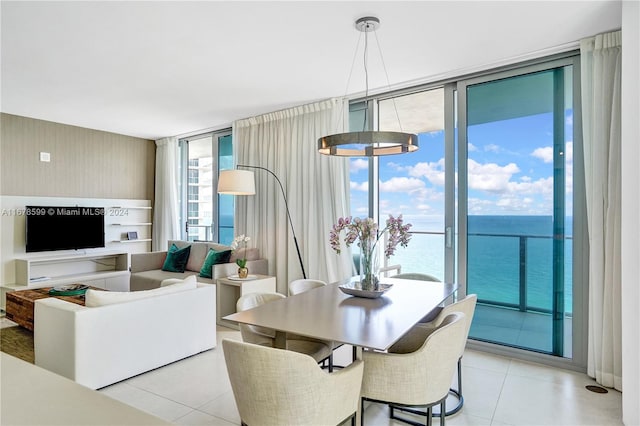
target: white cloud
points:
(492, 148)
(401, 184)
(358, 164)
(514, 203)
(545, 154)
(568, 152)
(433, 172)
(542, 186)
(477, 205)
(471, 147)
(490, 177)
(355, 186)
(424, 208)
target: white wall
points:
(630, 213)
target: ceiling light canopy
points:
(368, 143)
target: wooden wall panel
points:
(84, 162)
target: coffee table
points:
(20, 303)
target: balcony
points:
(513, 276)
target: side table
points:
(229, 290)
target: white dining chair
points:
(418, 378)
(416, 276)
(410, 341)
(319, 350)
(304, 284)
(278, 387)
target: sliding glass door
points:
(516, 206)
(492, 197)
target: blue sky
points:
(510, 169)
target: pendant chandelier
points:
(367, 143)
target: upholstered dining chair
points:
(410, 341)
(418, 378)
(302, 285)
(306, 284)
(319, 350)
(278, 387)
(416, 276)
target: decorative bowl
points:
(354, 289)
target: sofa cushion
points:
(197, 257)
(214, 257)
(177, 258)
(95, 298)
(199, 251)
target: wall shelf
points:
(125, 219)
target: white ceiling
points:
(153, 69)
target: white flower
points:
(240, 240)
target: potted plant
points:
(240, 243)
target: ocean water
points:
(497, 245)
(493, 256)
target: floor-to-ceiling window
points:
(206, 215)
(491, 194)
(413, 184)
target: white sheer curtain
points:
(316, 187)
(601, 103)
(165, 212)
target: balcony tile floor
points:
(498, 391)
(512, 327)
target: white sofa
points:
(100, 345)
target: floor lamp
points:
(241, 182)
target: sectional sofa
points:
(147, 268)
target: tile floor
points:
(497, 390)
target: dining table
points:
(327, 313)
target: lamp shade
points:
(236, 182)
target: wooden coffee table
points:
(20, 304)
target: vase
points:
(369, 265)
(243, 272)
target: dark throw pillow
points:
(177, 258)
(213, 258)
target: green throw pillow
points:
(213, 258)
(177, 258)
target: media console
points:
(104, 269)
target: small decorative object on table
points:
(69, 290)
(367, 233)
(241, 241)
(355, 289)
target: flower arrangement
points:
(241, 242)
(367, 232)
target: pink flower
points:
(367, 233)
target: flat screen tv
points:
(51, 228)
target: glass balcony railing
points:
(508, 270)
